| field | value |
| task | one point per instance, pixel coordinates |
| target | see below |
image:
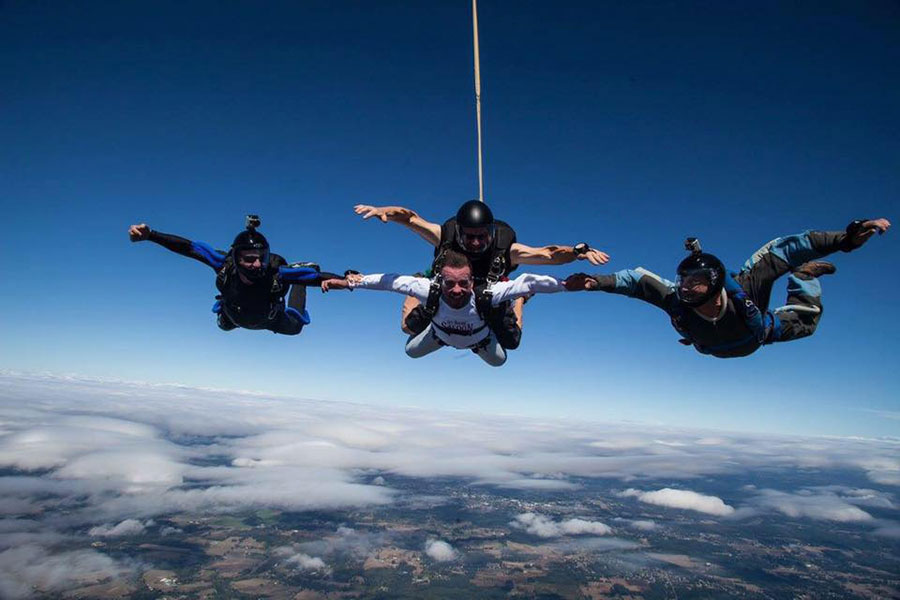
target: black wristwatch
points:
(851, 232)
(580, 248)
(855, 227)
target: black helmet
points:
(474, 214)
(699, 268)
(250, 239)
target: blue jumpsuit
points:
(730, 335)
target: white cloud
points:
(136, 470)
(888, 529)
(712, 441)
(859, 496)
(882, 469)
(542, 526)
(581, 526)
(440, 551)
(644, 525)
(825, 506)
(346, 541)
(683, 499)
(306, 562)
(126, 527)
(30, 569)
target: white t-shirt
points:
(462, 327)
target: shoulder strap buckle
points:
(497, 269)
(483, 301)
(434, 296)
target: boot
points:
(815, 268)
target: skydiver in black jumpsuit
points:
(252, 282)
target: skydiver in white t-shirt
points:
(460, 311)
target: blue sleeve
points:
(185, 247)
(207, 254)
(626, 282)
(305, 275)
(637, 283)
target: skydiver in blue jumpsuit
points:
(727, 314)
(252, 281)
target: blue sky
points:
(629, 127)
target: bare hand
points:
(334, 284)
(368, 212)
(868, 229)
(354, 278)
(579, 281)
(596, 257)
(139, 233)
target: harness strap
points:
(483, 302)
(436, 338)
(434, 297)
(277, 291)
(484, 343)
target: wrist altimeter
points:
(853, 230)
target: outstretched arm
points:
(554, 255)
(417, 287)
(528, 283)
(305, 275)
(523, 285)
(635, 283)
(428, 231)
(196, 250)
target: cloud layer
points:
(114, 455)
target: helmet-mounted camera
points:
(692, 245)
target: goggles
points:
(449, 284)
(696, 283)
